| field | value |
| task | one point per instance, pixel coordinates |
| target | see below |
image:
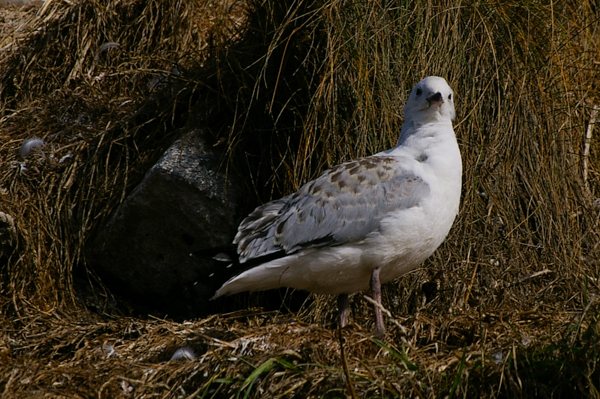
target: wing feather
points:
(344, 204)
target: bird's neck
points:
(426, 134)
(434, 146)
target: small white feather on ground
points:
(363, 222)
(30, 145)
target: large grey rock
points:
(185, 204)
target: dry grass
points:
(257, 354)
(508, 307)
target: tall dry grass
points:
(508, 305)
(106, 116)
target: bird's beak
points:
(436, 99)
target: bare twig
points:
(536, 274)
(386, 312)
(345, 363)
(586, 144)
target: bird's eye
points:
(419, 91)
(449, 96)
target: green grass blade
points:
(249, 382)
(461, 368)
(403, 357)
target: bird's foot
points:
(379, 331)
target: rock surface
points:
(185, 204)
(8, 236)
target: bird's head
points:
(431, 99)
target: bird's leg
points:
(379, 330)
(342, 302)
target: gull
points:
(363, 222)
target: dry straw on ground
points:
(508, 307)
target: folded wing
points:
(345, 204)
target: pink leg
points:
(343, 309)
(379, 330)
